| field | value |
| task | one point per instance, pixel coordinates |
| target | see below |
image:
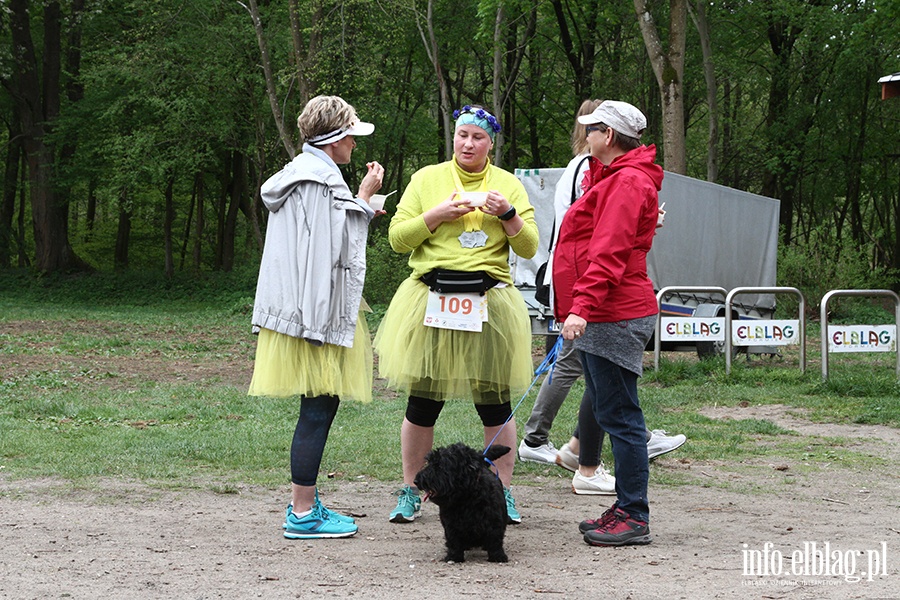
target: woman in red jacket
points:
(606, 301)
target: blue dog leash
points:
(546, 366)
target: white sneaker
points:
(600, 484)
(660, 443)
(542, 454)
(567, 459)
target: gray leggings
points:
(549, 400)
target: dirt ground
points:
(834, 534)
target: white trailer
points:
(714, 236)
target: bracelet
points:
(508, 214)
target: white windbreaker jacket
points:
(314, 261)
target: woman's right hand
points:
(449, 210)
(371, 183)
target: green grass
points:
(135, 417)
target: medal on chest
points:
(473, 236)
(473, 239)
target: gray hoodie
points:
(314, 262)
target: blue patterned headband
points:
(477, 116)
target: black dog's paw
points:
(498, 557)
(457, 557)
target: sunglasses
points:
(589, 128)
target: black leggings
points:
(424, 412)
(316, 416)
(589, 434)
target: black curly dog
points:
(470, 496)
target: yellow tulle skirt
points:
(289, 366)
(441, 364)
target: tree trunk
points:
(74, 87)
(91, 215)
(38, 103)
(506, 74)
(581, 52)
(24, 261)
(198, 233)
(781, 39)
(271, 92)
(123, 234)
(304, 59)
(854, 169)
(167, 226)
(188, 227)
(237, 189)
(499, 27)
(431, 49)
(221, 206)
(668, 66)
(10, 187)
(698, 14)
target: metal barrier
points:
(870, 293)
(657, 341)
(763, 290)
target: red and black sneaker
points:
(592, 524)
(620, 529)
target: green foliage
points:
(185, 291)
(385, 271)
(173, 93)
(827, 264)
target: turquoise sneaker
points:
(512, 515)
(333, 514)
(317, 525)
(325, 510)
(408, 505)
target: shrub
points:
(823, 265)
(385, 271)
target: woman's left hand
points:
(573, 327)
(496, 204)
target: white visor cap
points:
(356, 128)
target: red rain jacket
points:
(600, 261)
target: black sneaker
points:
(619, 530)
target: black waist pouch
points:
(445, 280)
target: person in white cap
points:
(313, 340)
(591, 477)
(605, 299)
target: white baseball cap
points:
(621, 116)
(355, 128)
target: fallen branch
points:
(838, 501)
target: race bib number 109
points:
(465, 312)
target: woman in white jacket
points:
(313, 342)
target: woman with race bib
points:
(458, 327)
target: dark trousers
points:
(613, 391)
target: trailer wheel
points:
(713, 349)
